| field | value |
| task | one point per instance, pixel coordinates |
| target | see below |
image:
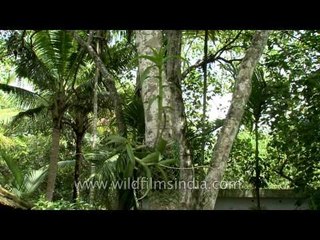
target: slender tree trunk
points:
(155, 92)
(77, 168)
(173, 75)
(208, 196)
(204, 100)
(95, 116)
(257, 185)
(109, 83)
(53, 165)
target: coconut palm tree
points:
(52, 62)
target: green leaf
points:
(33, 179)
(151, 158)
(66, 163)
(14, 169)
(167, 162)
(151, 58)
(165, 177)
(30, 113)
(26, 97)
(115, 139)
(131, 164)
(161, 146)
(145, 74)
(149, 176)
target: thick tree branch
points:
(207, 197)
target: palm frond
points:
(118, 57)
(134, 115)
(25, 97)
(46, 52)
(25, 184)
(33, 179)
(49, 59)
(5, 142)
(6, 115)
(41, 123)
(257, 100)
(29, 66)
(65, 46)
(30, 113)
(14, 169)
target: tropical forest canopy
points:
(82, 110)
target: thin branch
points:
(282, 174)
(285, 176)
(209, 131)
(212, 57)
(300, 40)
(229, 60)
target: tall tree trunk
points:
(109, 83)
(208, 196)
(77, 168)
(155, 92)
(257, 167)
(173, 75)
(204, 100)
(95, 115)
(53, 165)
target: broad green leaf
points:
(131, 164)
(145, 74)
(116, 139)
(161, 146)
(14, 169)
(149, 176)
(167, 162)
(151, 158)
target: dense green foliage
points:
(46, 79)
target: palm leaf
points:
(132, 160)
(31, 67)
(14, 169)
(49, 59)
(149, 177)
(5, 142)
(257, 99)
(25, 97)
(64, 45)
(30, 113)
(45, 51)
(33, 179)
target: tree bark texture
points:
(53, 165)
(155, 92)
(208, 196)
(173, 75)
